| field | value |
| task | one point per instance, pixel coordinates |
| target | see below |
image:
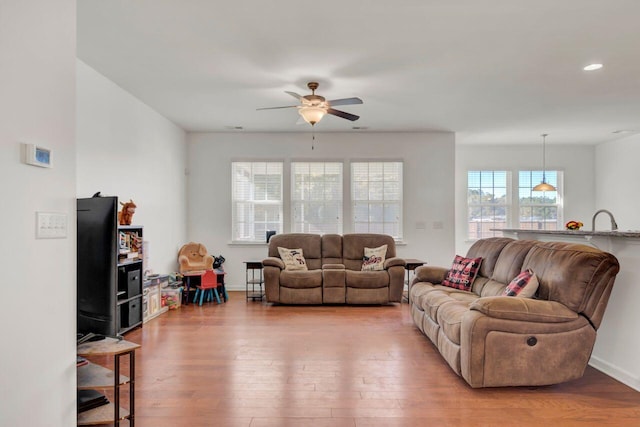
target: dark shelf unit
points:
(109, 269)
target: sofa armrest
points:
(431, 274)
(526, 309)
(273, 262)
(333, 267)
(392, 262)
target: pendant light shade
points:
(312, 114)
(544, 186)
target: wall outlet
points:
(51, 225)
(438, 225)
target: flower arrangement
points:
(573, 225)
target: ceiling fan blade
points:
(275, 108)
(295, 95)
(342, 114)
(345, 101)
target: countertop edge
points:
(625, 234)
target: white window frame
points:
(514, 203)
(247, 198)
(316, 191)
(553, 177)
(483, 228)
(383, 194)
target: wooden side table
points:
(254, 278)
(411, 265)
(93, 376)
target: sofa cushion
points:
(299, 279)
(462, 273)
(450, 318)
(524, 285)
(311, 245)
(525, 309)
(366, 279)
(509, 263)
(353, 247)
(293, 259)
(489, 250)
(578, 276)
(432, 301)
(490, 288)
(373, 259)
(331, 249)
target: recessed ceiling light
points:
(592, 67)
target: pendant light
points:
(543, 186)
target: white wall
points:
(428, 185)
(126, 149)
(577, 162)
(38, 316)
(617, 177)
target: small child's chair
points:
(209, 286)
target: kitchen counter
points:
(582, 233)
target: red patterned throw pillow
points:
(462, 273)
(524, 285)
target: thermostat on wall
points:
(37, 156)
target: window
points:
(376, 198)
(539, 210)
(493, 202)
(487, 203)
(316, 197)
(257, 200)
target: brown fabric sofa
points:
(493, 340)
(333, 276)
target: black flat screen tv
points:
(97, 258)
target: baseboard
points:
(615, 372)
(238, 288)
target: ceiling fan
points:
(314, 107)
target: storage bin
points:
(171, 297)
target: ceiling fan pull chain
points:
(313, 139)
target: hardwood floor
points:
(247, 364)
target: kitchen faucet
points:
(614, 226)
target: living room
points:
(105, 139)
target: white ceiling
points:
(493, 71)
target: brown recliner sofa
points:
(493, 340)
(333, 274)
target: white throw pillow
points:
(292, 258)
(374, 258)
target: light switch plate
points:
(51, 225)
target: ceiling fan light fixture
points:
(312, 114)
